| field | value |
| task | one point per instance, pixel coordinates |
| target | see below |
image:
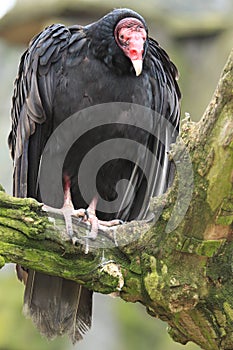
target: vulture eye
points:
(122, 37)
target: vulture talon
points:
(87, 214)
(74, 241)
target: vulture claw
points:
(67, 212)
(97, 224)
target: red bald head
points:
(130, 36)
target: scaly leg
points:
(87, 215)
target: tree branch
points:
(181, 270)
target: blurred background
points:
(198, 37)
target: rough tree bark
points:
(182, 274)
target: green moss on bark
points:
(2, 262)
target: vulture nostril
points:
(133, 52)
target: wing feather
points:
(32, 100)
(163, 77)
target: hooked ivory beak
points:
(137, 64)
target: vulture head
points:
(130, 35)
(120, 39)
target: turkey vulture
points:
(69, 69)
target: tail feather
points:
(57, 306)
(83, 316)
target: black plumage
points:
(65, 70)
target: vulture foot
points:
(89, 215)
(85, 215)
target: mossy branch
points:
(181, 270)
